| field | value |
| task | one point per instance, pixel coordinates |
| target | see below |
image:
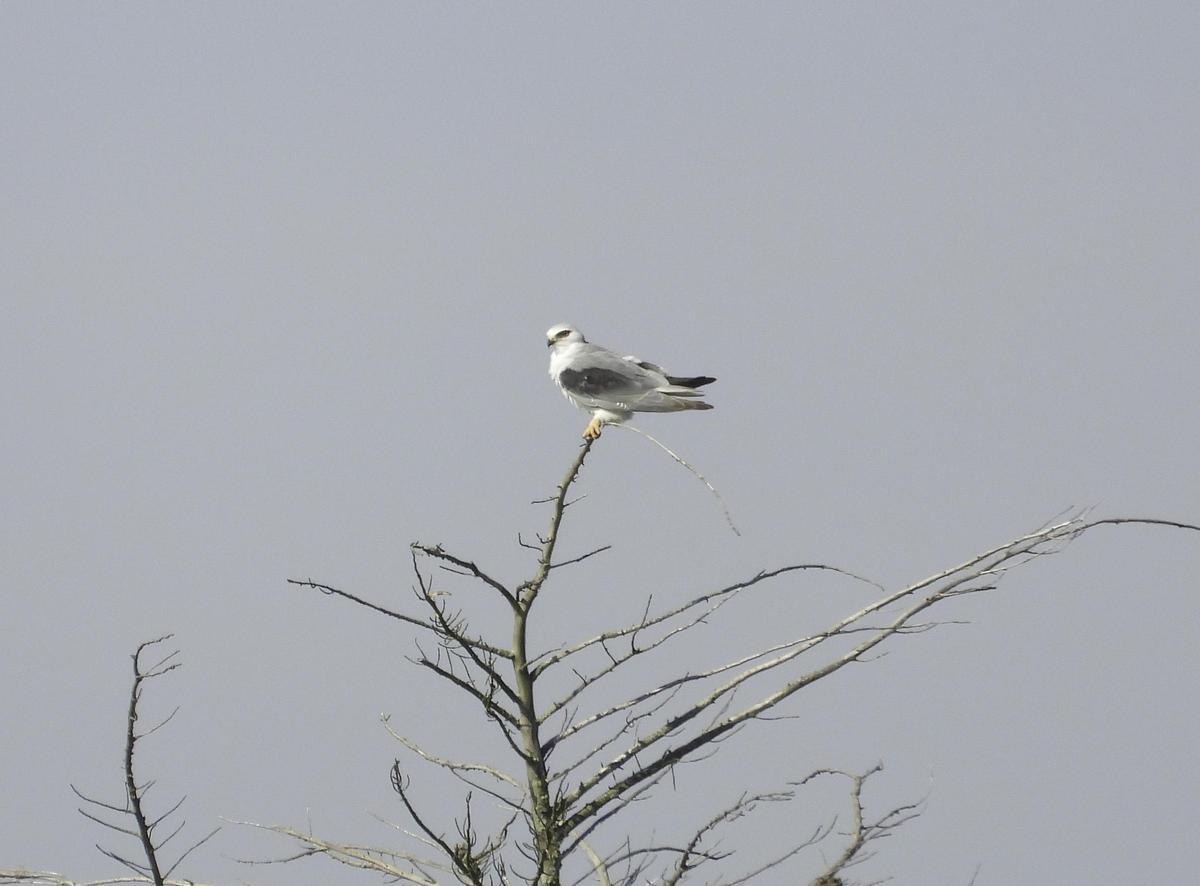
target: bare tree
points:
(580, 755)
(578, 767)
(140, 825)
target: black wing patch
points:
(593, 382)
(698, 381)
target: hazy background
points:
(275, 279)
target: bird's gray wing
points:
(598, 373)
(677, 381)
(646, 364)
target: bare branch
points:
(451, 630)
(363, 857)
(144, 827)
(528, 592)
(615, 661)
(447, 764)
(51, 878)
(957, 580)
(190, 850)
(819, 834)
(400, 616)
(463, 862)
(582, 557)
(692, 856)
(108, 824)
(631, 721)
(632, 797)
(135, 800)
(552, 657)
(679, 459)
(861, 831)
(716, 730)
(598, 864)
(161, 723)
(670, 685)
(123, 810)
(1144, 521)
(490, 705)
(440, 553)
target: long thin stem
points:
(546, 826)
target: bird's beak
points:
(549, 342)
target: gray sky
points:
(275, 279)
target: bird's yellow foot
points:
(592, 431)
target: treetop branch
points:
(528, 592)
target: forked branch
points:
(144, 828)
(861, 831)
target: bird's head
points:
(563, 333)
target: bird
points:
(613, 387)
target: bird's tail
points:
(695, 381)
(679, 391)
(682, 395)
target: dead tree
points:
(578, 767)
(579, 764)
(142, 826)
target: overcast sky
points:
(275, 281)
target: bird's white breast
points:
(560, 358)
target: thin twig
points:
(440, 553)
(362, 857)
(400, 616)
(698, 475)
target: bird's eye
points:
(562, 333)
